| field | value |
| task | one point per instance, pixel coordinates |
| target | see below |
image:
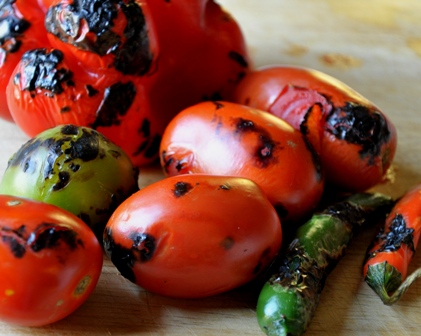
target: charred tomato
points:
(22, 29)
(225, 138)
(50, 262)
(125, 68)
(358, 140)
(193, 236)
(75, 168)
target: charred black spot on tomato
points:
(181, 188)
(70, 130)
(86, 147)
(238, 58)
(91, 90)
(131, 49)
(227, 243)
(393, 240)
(63, 181)
(134, 56)
(304, 129)
(65, 109)
(13, 27)
(265, 145)
(360, 125)
(120, 256)
(117, 100)
(15, 239)
(143, 246)
(49, 236)
(225, 187)
(145, 128)
(41, 71)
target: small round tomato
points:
(358, 141)
(22, 23)
(50, 262)
(75, 168)
(223, 138)
(193, 236)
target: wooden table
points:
(373, 46)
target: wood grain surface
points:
(373, 46)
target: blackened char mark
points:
(13, 27)
(134, 56)
(238, 58)
(149, 146)
(44, 236)
(265, 147)
(117, 100)
(41, 71)
(304, 129)
(86, 147)
(399, 234)
(142, 250)
(357, 124)
(181, 188)
(132, 51)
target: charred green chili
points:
(289, 298)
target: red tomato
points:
(127, 68)
(193, 236)
(358, 140)
(50, 262)
(22, 23)
(224, 138)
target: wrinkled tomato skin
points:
(139, 83)
(224, 138)
(193, 236)
(358, 140)
(50, 262)
(24, 20)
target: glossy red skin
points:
(211, 234)
(409, 206)
(288, 92)
(44, 284)
(33, 37)
(214, 138)
(190, 45)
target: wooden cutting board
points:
(373, 46)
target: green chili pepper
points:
(288, 300)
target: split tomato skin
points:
(51, 262)
(128, 72)
(194, 236)
(358, 140)
(22, 29)
(224, 138)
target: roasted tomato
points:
(75, 168)
(358, 141)
(50, 262)
(230, 139)
(193, 236)
(125, 68)
(22, 29)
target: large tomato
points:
(193, 236)
(230, 139)
(50, 262)
(358, 140)
(126, 68)
(22, 29)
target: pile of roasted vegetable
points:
(104, 87)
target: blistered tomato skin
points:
(194, 236)
(22, 23)
(130, 68)
(224, 138)
(50, 262)
(358, 140)
(75, 168)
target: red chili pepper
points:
(386, 266)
